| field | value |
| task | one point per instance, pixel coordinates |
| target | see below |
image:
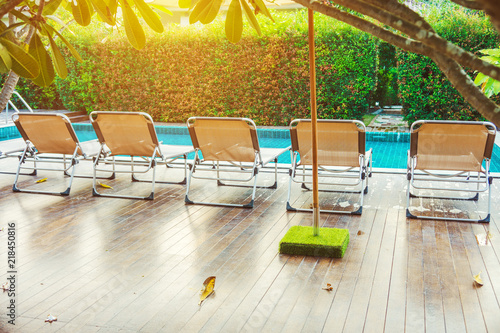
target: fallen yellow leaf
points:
(41, 180)
(104, 185)
(478, 280)
(208, 288)
(328, 287)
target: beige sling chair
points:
(228, 145)
(450, 153)
(343, 161)
(132, 134)
(49, 139)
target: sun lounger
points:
(49, 139)
(228, 145)
(342, 158)
(132, 134)
(450, 153)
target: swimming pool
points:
(389, 149)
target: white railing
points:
(14, 107)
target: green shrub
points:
(424, 91)
(191, 71)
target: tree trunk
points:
(8, 88)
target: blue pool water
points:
(389, 149)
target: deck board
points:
(107, 265)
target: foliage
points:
(33, 29)
(36, 97)
(346, 62)
(424, 91)
(386, 91)
(187, 71)
(489, 85)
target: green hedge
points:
(424, 91)
(195, 71)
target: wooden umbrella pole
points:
(314, 132)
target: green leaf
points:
(8, 31)
(23, 64)
(251, 17)
(149, 16)
(81, 12)
(493, 52)
(73, 51)
(262, 7)
(205, 11)
(133, 28)
(5, 60)
(37, 51)
(184, 3)
(19, 15)
(103, 11)
(162, 9)
(480, 78)
(112, 5)
(234, 22)
(50, 7)
(59, 62)
(58, 20)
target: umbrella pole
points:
(314, 133)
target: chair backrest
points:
(126, 133)
(340, 142)
(451, 145)
(48, 132)
(224, 139)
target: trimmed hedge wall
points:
(190, 71)
(424, 91)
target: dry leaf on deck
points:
(360, 232)
(208, 288)
(328, 287)
(478, 279)
(50, 319)
(484, 239)
(41, 180)
(104, 185)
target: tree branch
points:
(471, 4)
(402, 11)
(8, 6)
(404, 43)
(492, 8)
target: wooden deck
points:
(109, 265)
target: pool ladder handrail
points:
(13, 106)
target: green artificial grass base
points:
(330, 242)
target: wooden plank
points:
(468, 296)
(434, 313)
(415, 311)
(395, 318)
(377, 306)
(452, 307)
(356, 285)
